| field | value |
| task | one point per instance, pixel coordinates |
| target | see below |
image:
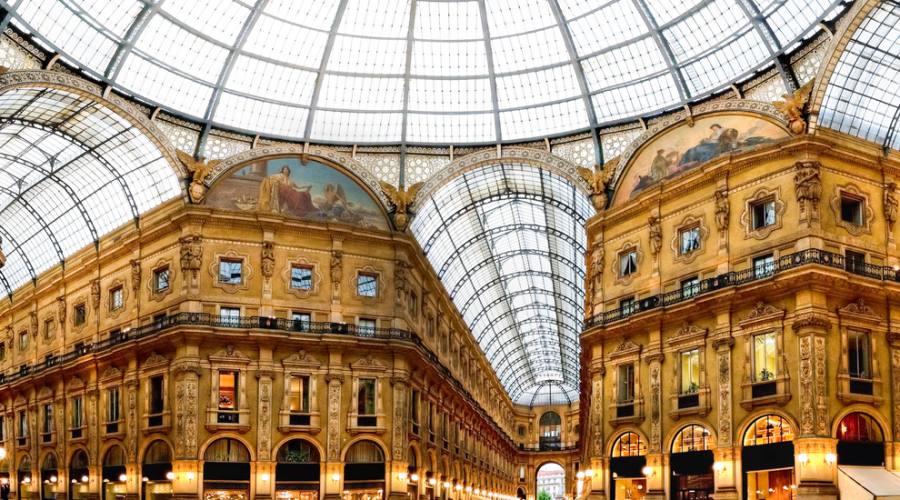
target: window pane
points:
(230, 272)
(367, 285)
(690, 371)
(764, 357)
(228, 390)
(301, 278)
(366, 397)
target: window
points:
(690, 371)
(763, 213)
(116, 298)
(764, 266)
(2, 351)
(299, 397)
(854, 261)
(367, 285)
(157, 399)
(365, 399)
(627, 263)
(23, 340)
(414, 407)
(228, 384)
(765, 351)
(77, 412)
(112, 405)
(689, 240)
(230, 271)
(690, 287)
(47, 422)
(858, 358)
(2, 428)
(301, 277)
(626, 383)
(627, 306)
(80, 314)
(851, 209)
(230, 316)
(366, 327)
(161, 279)
(49, 329)
(23, 425)
(302, 321)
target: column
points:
(656, 480)
(333, 466)
(399, 430)
(598, 461)
(186, 484)
(264, 432)
(726, 466)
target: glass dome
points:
(420, 71)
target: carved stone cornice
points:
(265, 374)
(860, 311)
(625, 348)
(334, 377)
(687, 333)
(656, 356)
(811, 320)
(723, 342)
(186, 366)
(762, 313)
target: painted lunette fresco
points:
(682, 148)
(291, 187)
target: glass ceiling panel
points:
(285, 78)
(71, 171)
(513, 265)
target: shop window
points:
(156, 468)
(629, 444)
(763, 213)
(228, 396)
(690, 372)
(301, 277)
(231, 271)
(763, 266)
(116, 298)
(628, 262)
(768, 429)
(230, 316)
(226, 470)
(161, 279)
(365, 403)
(692, 438)
(852, 209)
(113, 409)
(77, 429)
(297, 470)
(302, 321)
(689, 240)
(299, 400)
(367, 285)
(157, 401)
(364, 471)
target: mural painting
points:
(682, 148)
(306, 190)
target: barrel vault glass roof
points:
(71, 171)
(508, 242)
(419, 71)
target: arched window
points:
(551, 431)
(364, 452)
(692, 438)
(298, 451)
(157, 453)
(113, 471)
(297, 470)
(859, 427)
(768, 429)
(412, 458)
(49, 463)
(227, 450)
(79, 460)
(155, 471)
(629, 444)
(364, 469)
(226, 471)
(79, 475)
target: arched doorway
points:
(860, 440)
(49, 477)
(626, 467)
(551, 431)
(430, 475)
(550, 482)
(364, 472)
(767, 459)
(23, 477)
(691, 461)
(226, 470)
(412, 487)
(113, 474)
(297, 471)
(156, 471)
(520, 493)
(79, 475)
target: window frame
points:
(361, 288)
(156, 280)
(304, 267)
(230, 278)
(116, 298)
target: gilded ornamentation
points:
(808, 187)
(655, 403)
(191, 254)
(95, 294)
(132, 419)
(722, 209)
(807, 402)
(135, 275)
(200, 171)
(890, 205)
(337, 270)
(186, 415)
(597, 262)
(599, 179)
(653, 223)
(402, 201)
(858, 306)
(268, 259)
(792, 107)
(334, 419)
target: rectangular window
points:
(763, 213)
(302, 321)
(627, 263)
(230, 316)
(365, 400)
(49, 329)
(689, 240)
(47, 420)
(690, 287)
(690, 371)
(626, 383)
(858, 358)
(112, 405)
(367, 285)
(852, 209)
(301, 277)
(77, 412)
(414, 406)
(2, 428)
(299, 397)
(366, 327)
(23, 425)
(627, 306)
(763, 266)
(2, 351)
(855, 262)
(80, 314)
(157, 399)
(23, 340)
(230, 271)
(765, 351)
(228, 384)
(116, 298)
(161, 279)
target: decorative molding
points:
(380, 284)
(762, 312)
(746, 218)
(229, 355)
(154, 295)
(868, 215)
(625, 348)
(316, 284)
(811, 320)
(689, 222)
(808, 188)
(859, 308)
(368, 363)
(688, 333)
(246, 271)
(111, 372)
(110, 313)
(624, 248)
(301, 359)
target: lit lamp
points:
(264, 476)
(190, 476)
(53, 479)
(647, 471)
(414, 477)
(170, 476)
(123, 477)
(446, 484)
(830, 458)
(2, 453)
(335, 477)
(402, 476)
(432, 481)
(718, 466)
(469, 489)
(803, 458)
(84, 479)
(579, 475)
(589, 473)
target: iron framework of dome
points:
(421, 71)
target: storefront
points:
(4, 479)
(412, 474)
(860, 441)
(364, 472)
(156, 472)
(226, 471)
(691, 464)
(79, 476)
(113, 474)
(626, 468)
(767, 459)
(297, 471)
(23, 478)
(49, 477)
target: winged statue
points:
(402, 200)
(792, 107)
(2, 255)
(599, 179)
(199, 170)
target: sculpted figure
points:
(722, 209)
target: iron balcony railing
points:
(735, 278)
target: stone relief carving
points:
(599, 179)
(402, 201)
(792, 105)
(858, 306)
(132, 420)
(597, 417)
(200, 170)
(653, 222)
(808, 188)
(807, 411)
(61, 310)
(821, 397)
(135, 275)
(33, 323)
(655, 403)
(264, 431)
(267, 265)
(724, 397)
(95, 294)
(890, 205)
(723, 209)
(761, 309)
(191, 255)
(334, 418)
(337, 271)
(186, 415)
(398, 438)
